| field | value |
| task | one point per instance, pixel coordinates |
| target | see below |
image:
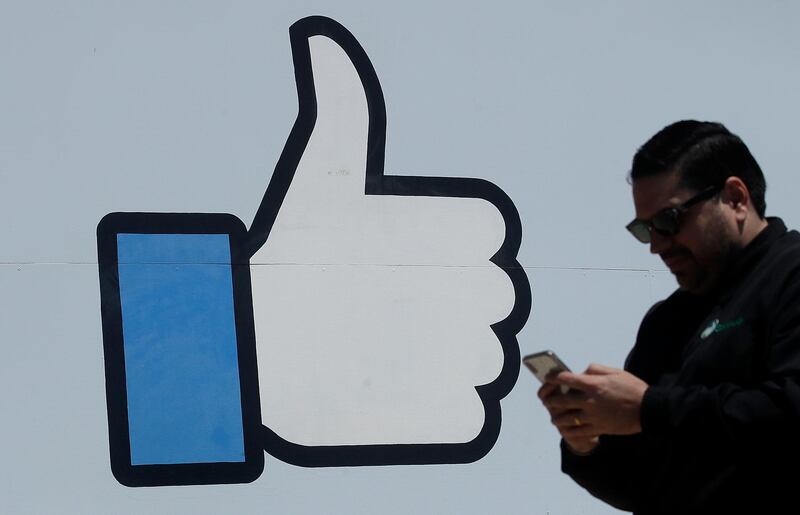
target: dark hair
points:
(704, 154)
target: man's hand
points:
(578, 444)
(602, 400)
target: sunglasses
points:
(668, 221)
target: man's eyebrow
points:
(674, 201)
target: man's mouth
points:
(675, 259)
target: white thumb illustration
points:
(385, 307)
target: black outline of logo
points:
(244, 246)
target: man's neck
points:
(750, 231)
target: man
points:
(705, 418)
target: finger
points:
(575, 381)
(597, 369)
(547, 390)
(582, 431)
(569, 401)
(571, 418)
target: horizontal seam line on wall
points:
(534, 267)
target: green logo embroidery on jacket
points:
(717, 327)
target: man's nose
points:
(659, 242)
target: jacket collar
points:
(745, 260)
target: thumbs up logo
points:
(383, 309)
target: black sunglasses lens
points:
(640, 230)
(666, 222)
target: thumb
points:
(596, 369)
(577, 381)
(338, 138)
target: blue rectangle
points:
(181, 361)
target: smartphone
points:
(543, 364)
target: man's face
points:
(698, 253)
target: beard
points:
(699, 270)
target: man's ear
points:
(736, 195)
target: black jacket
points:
(721, 419)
